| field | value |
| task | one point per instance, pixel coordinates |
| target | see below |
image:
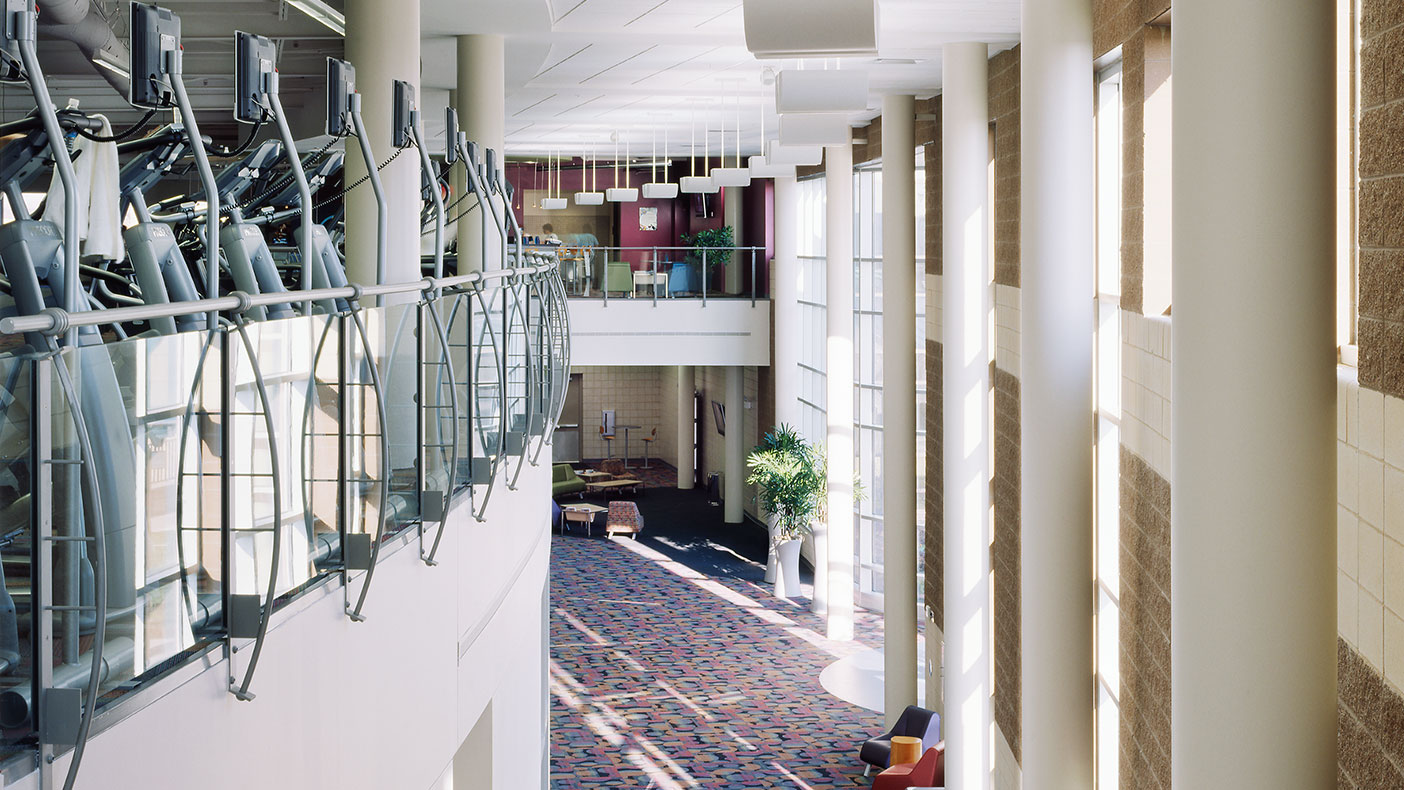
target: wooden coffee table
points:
(606, 486)
(593, 475)
(583, 513)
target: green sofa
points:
(564, 480)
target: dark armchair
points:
(915, 722)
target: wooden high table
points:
(606, 486)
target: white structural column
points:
(1057, 276)
(838, 171)
(784, 295)
(384, 48)
(899, 451)
(1253, 653)
(482, 108)
(734, 478)
(687, 414)
(733, 216)
(965, 372)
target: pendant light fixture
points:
(624, 194)
(695, 184)
(735, 176)
(761, 167)
(593, 197)
(555, 202)
(654, 190)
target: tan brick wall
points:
(1005, 557)
(933, 193)
(1145, 626)
(1381, 196)
(1370, 736)
(1004, 112)
(932, 560)
(1133, 77)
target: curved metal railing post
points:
(481, 513)
(354, 313)
(431, 306)
(241, 689)
(185, 421)
(43, 540)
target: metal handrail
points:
(56, 321)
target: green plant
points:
(789, 473)
(711, 239)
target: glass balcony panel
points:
(393, 331)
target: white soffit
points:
(821, 90)
(811, 28)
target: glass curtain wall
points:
(867, 334)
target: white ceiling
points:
(582, 72)
(578, 71)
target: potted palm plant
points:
(789, 474)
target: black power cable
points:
(120, 136)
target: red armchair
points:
(930, 771)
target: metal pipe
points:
(382, 210)
(63, 163)
(428, 165)
(304, 192)
(207, 185)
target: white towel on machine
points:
(99, 204)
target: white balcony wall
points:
(366, 706)
(672, 332)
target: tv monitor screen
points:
(719, 416)
(703, 205)
(451, 135)
(255, 59)
(341, 83)
(403, 106)
(155, 38)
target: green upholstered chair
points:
(619, 276)
(564, 480)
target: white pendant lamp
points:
(695, 184)
(736, 176)
(554, 203)
(777, 153)
(624, 194)
(654, 189)
(760, 167)
(593, 197)
(811, 28)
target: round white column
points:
(482, 108)
(383, 48)
(965, 372)
(899, 451)
(734, 475)
(784, 295)
(1056, 220)
(838, 171)
(687, 414)
(1253, 652)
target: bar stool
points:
(648, 442)
(608, 440)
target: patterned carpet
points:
(666, 677)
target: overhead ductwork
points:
(73, 20)
(811, 28)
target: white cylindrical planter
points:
(784, 296)
(787, 578)
(1056, 224)
(482, 108)
(838, 170)
(384, 48)
(734, 475)
(687, 416)
(771, 557)
(965, 373)
(1253, 570)
(899, 417)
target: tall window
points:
(867, 334)
(1108, 396)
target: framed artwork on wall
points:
(648, 218)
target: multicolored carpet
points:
(666, 677)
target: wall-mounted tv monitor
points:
(719, 417)
(341, 83)
(255, 59)
(403, 105)
(704, 206)
(155, 38)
